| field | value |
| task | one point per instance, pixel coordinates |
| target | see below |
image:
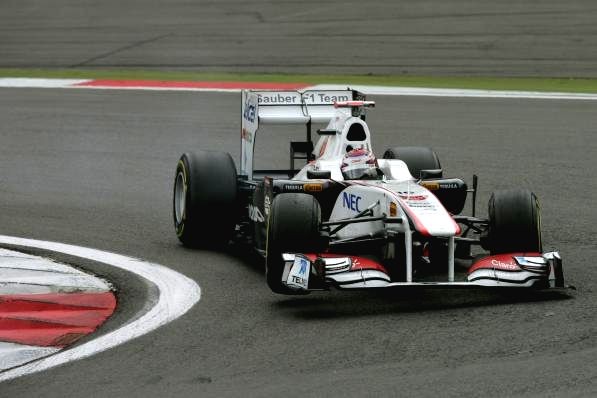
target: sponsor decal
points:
(292, 187)
(411, 195)
(250, 111)
(415, 201)
(313, 187)
(393, 209)
(303, 270)
(351, 201)
(505, 266)
(298, 277)
(500, 262)
(414, 197)
(432, 186)
(448, 186)
(324, 98)
(246, 135)
(255, 214)
(279, 98)
(421, 205)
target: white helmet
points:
(360, 164)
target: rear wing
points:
(286, 107)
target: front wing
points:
(308, 272)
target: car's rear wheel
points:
(205, 199)
(417, 158)
(514, 222)
(293, 227)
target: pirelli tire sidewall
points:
(209, 210)
(514, 222)
(293, 227)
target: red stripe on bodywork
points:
(413, 216)
(419, 226)
(53, 319)
(191, 85)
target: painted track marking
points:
(177, 295)
(155, 85)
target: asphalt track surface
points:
(95, 168)
(429, 37)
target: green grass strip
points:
(570, 85)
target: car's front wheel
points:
(514, 222)
(417, 158)
(293, 227)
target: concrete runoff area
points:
(95, 168)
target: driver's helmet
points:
(360, 164)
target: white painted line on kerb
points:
(458, 93)
(141, 88)
(9, 82)
(177, 294)
(33, 82)
(14, 354)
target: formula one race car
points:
(349, 220)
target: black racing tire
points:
(293, 227)
(417, 158)
(205, 199)
(514, 222)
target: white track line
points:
(137, 88)
(10, 82)
(33, 82)
(13, 354)
(457, 93)
(177, 294)
(20, 281)
(17, 260)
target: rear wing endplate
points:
(286, 107)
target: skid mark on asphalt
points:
(138, 43)
(177, 294)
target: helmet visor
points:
(360, 172)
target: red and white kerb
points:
(46, 306)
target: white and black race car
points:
(348, 220)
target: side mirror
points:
(434, 173)
(319, 174)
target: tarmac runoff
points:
(60, 304)
(211, 86)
